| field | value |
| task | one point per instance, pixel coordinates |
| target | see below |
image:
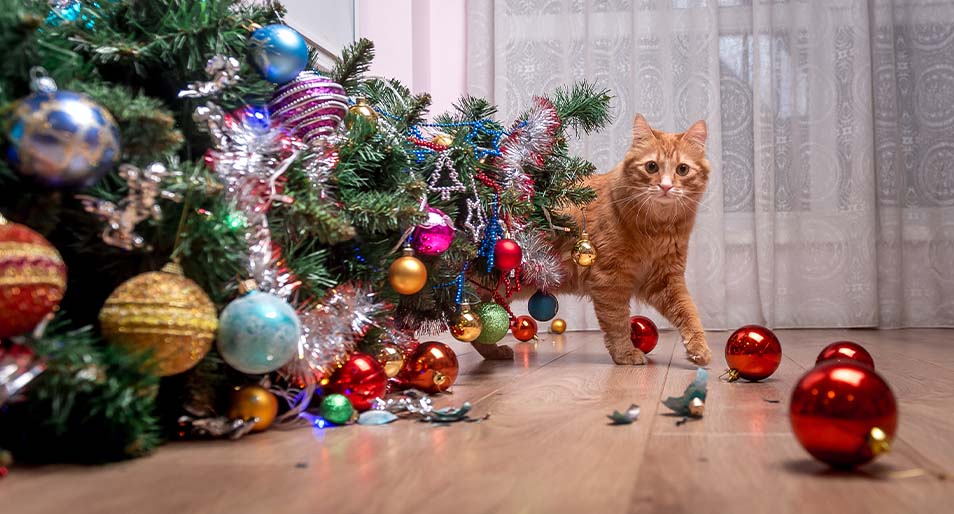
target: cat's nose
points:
(665, 187)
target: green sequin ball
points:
(336, 408)
(495, 323)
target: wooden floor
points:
(547, 447)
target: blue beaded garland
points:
(278, 53)
(258, 333)
(543, 306)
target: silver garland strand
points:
(223, 72)
(540, 268)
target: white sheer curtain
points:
(831, 135)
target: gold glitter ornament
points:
(584, 253)
(162, 312)
(361, 108)
(467, 325)
(558, 326)
(391, 358)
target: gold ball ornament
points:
(407, 274)
(254, 401)
(558, 326)
(467, 325)
(443, 139)
(363, 109)
(162, 312)
(391, 358)
(584, 252)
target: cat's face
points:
(667, 171)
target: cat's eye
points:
(652, 167)
(682, 170)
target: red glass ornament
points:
(432, 368)
(507, 255)
(753, 353)
(524, 328)
(845, 350)
(643, 333)
(834, 409)
(32, 278)
(361, 379)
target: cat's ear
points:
(697, 134)
(642, 132)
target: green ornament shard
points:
(626, 417)
(697, 389)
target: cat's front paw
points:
(697, 350)
(628, 356)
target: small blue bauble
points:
(62, 139)
(278, 53)
(258, 333)
(543, 306)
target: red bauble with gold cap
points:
(32, 278)
(361, 379)
(753, 353)
(432, 368)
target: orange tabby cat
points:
(640, 224)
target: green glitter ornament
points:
(495, 322)
(336, 408)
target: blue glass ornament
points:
(278, 53)
(61, 139)
(258, 333)
(543, 306)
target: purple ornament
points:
(435, 235)
(310, 106)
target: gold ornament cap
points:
(731, 375)
(878, 441)
(697, 407)
(247, 286)
(584, 252)
(443, 139)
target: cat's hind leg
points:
(612, 312)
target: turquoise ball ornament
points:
(278, 53)
(543, 306)
(61, 139)
(494, 321)
(258, 333)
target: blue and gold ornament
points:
(258, 332)
(277, 52)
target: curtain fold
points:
(831, 138)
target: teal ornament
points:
(336, 408)
(494, 321)
(258, 333)
(376, 417)
(278, 53)
(543, 306)
(692, 398)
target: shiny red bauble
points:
(843, 413)
(432, 368)
(753, 353)
(524, 328)
(507, 255)
(643, 333)
(361, 379)
(32, 278)
(845, 350)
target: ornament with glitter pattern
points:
(311, 106)
(494, 322)
(32, 278)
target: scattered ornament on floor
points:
(414, 403)
(163, 313)
(683, 405)
(843, 413)
(60, 138)
(752, 352)
(435, 235)
(524, 328)
(626, 417)
(466, 326)
(391, 358)
(584, 251)
(432, 368)
(361, 379)
(19, 365)
(846, 350)
(697, 408)
(254, 404)
(336, 408)
(407, 274)
(507, 254)
(33, 279)
(558, 326)
(311, 106)
(543, 306)
(643, 333)
(214, 427)
(258, 332)
(376, 417)
(223, 72)
(277, 52)
(362, 109)
(494, 320)
(449, 415)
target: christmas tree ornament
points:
(494, 322)
(432, 368)
(507, 254)
(407, 274)
(753, 353)
(361, 379)
(693, 399)
(524, 328)
(435, 235)
(60, 138)
(845, 350)
(443, 139)
(362, 109)
(466, 326)
(391, 358)
(254, 401)
(19, 365)
(336, 408)
(223, 73)
(643, 333)
(311, 106)
(543, 306)
(843, 413)
(258, 332)
(558, 326)
(32, 278)
(162, 313)
(584, 252)
(277, 52)
(445, 184)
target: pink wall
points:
(423, 43)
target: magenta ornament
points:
(435, 235)
(310, 106)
